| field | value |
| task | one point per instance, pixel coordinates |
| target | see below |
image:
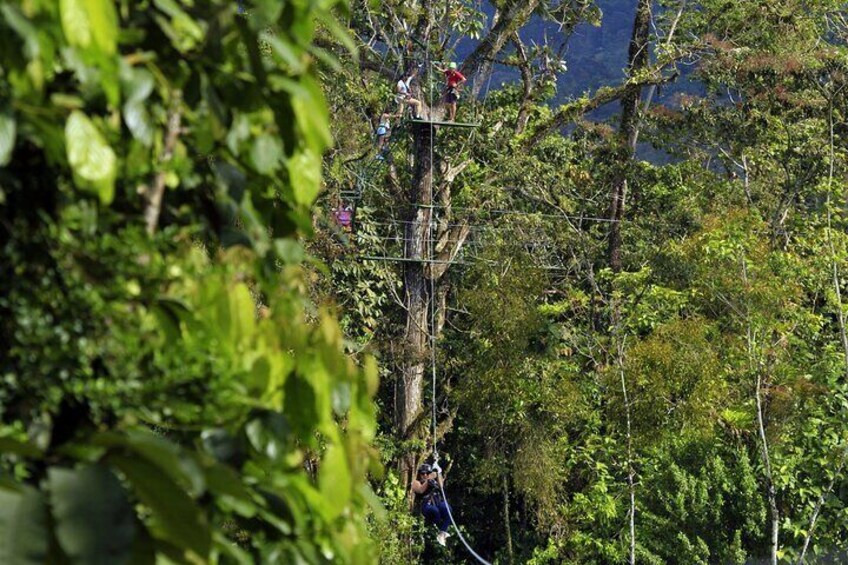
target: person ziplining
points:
(453, 81)
(403, 95)
(428, 484)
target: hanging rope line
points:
(432, 248)
(458, 532)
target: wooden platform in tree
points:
(447, 124)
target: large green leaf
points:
(91, 158)
(311, 110)
(182, 470)
(242, 313)
(300, 405)
(24, 449)
(305, 174)
(23, 527)
(334, 479)
(138, 122)
(75, 22)
(7, 138)
(137, 85)
(267, 154)
(177, 519)
(95, 522)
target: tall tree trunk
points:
(417, 251)
(508, 530)
(429, 250)
(527, 85)
(629, 128)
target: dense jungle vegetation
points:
(617, 316)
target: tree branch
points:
(447, 254)
(153, 196)
(527, 83)
(510, 19)
(572, 111)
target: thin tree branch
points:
(153, 196)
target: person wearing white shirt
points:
(403, 95)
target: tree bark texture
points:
(416, 293)
(507, 529)
(527, 85)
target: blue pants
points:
(437, 514)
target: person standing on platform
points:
(453, 81)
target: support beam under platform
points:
(446, 124)
(406, 260)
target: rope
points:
(459, 533)
(431, 253)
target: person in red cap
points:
(453, 80)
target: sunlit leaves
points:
(184, 31)
(334, 480)
(90, 23)
(267, 154)
(7, 137)
(305, 173)
(137, 85)
(92, 159)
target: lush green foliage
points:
(168, 392)
(171, 370)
